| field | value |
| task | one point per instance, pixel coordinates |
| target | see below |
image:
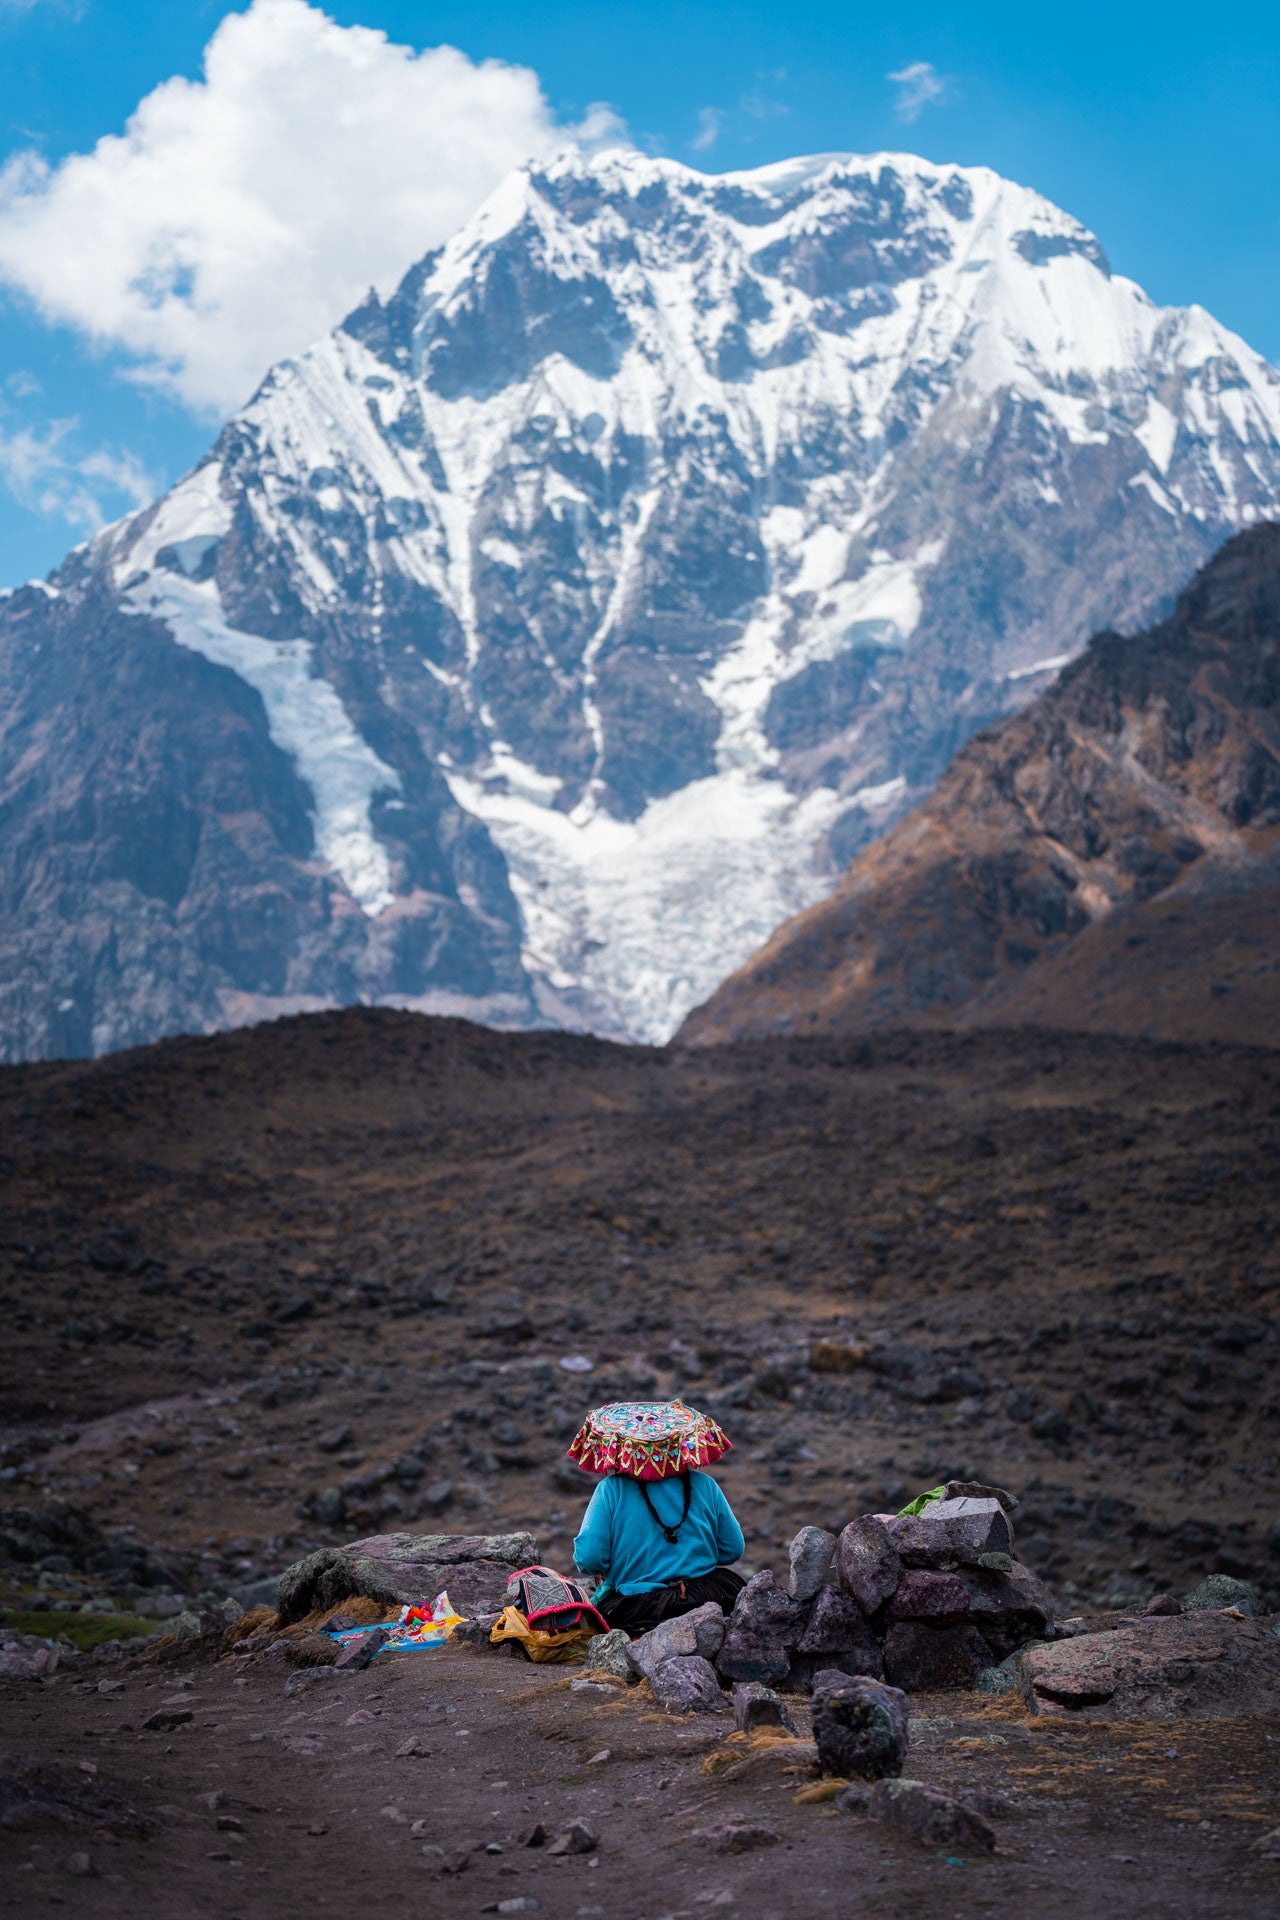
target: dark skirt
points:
(638, 1613)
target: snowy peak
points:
(654, 546)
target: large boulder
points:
(1189, 1666)
(406, 1569)
(701, 1631)
(922, 1658)
(859, 1726)
(764, 1627)
(868, 1563)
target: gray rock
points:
(607, 1653)
(929, 1595)
(805, 1667)
(256, 1593)
(325, 1579)
(687, 1684)
(1009, 1609)
(930, 1816)
(1195, 1665)
(1220, 1590)
(951, 1531)
(923, 1658)
(406, 1569)
(764, 1627)
(811, 1554)
(1164, 1604)
(357, 1654)
(577, 1837)
(737, 1836)
(836, 1624)
(329, 1507)
(701, 1631)
(26, 1656)
(836, 1635)
(868, 1563)
(1008, 1677)
(755, 1705)
(448, 1549)
(859, 1726)
(303, 1681)
(977, 1490)
(475, 1631)
(165, 1719)
(853, 1799)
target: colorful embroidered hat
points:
(648, 1439)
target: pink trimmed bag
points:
(553, 1603)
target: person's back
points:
(658, 1533)
(624, 1542)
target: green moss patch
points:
(84, 1630)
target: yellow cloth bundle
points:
(567, 1648)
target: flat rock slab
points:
(448, 1549)
(406, 1569)
(1203, 1665)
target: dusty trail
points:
(1090, 1818)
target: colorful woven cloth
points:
(419, 1629)
(648, 1439)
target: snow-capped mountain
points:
(541, 638)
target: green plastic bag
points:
(921, 1501)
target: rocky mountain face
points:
(537, 642)
(1107, 858)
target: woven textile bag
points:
(553, 1603)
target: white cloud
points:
(41, 470)
(240, 215)
(919, 85)
(710, 121)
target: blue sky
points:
(144, 288)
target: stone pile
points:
(927, 1602)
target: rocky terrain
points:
(361, 1273)
(365, 1270)
(1109, 858)
(538, 641)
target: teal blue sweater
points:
(621, 1544)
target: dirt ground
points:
(320, 1814)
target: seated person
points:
(658, 1533)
